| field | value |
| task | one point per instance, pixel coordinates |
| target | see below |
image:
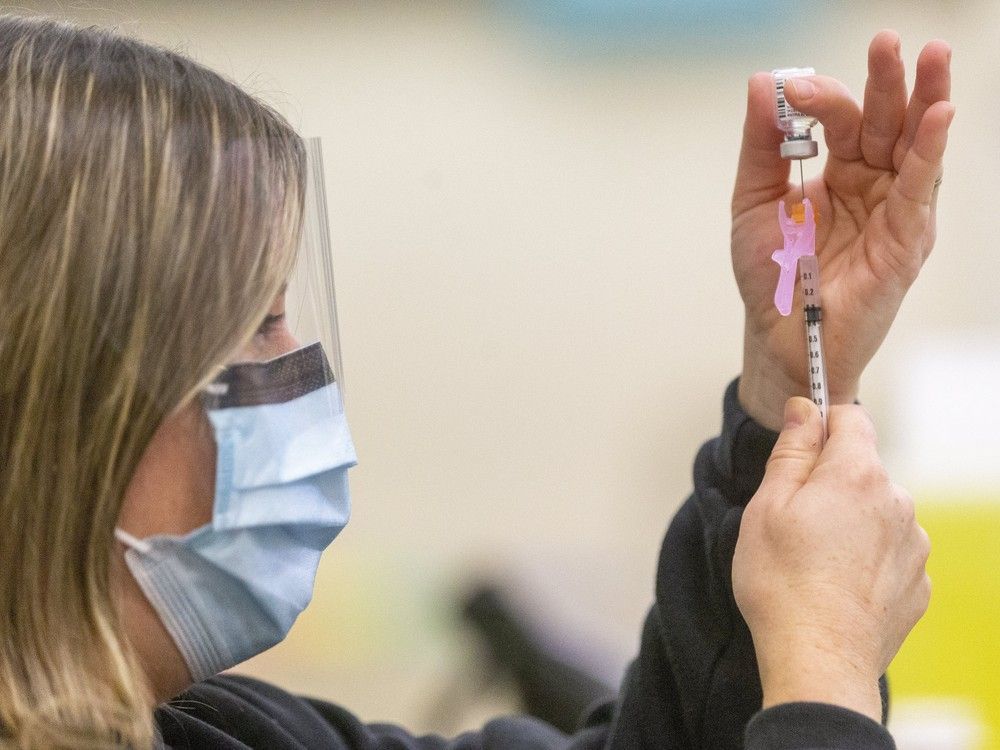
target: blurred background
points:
(529, 202)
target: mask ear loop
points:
(139, 545)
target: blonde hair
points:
(149, 211)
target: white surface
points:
(946, 415)
(937, 724)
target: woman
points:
(149, 212)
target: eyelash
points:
(269, 324)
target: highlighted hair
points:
(149, 211)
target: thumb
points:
(797, 449)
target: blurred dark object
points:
(550, 687)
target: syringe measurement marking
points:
(809, 276)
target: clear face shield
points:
(297, 349)
(310, 302)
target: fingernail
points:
(801, 88)
(951, 114)
(796, 412)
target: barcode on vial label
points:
(784, 111)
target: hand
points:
(829, 566)
(876, 203)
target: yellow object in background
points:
(945, 680)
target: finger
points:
(933, 85)
(885, 100)
(796, 451)
(762, 174)
(909, 201)
(852, 445)
(830, 102)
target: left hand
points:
(876, 206)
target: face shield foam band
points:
(275, 381)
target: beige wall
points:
(536, 303)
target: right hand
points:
(829, 570)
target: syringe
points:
(800, 241)
(797, 260)
(809, 276)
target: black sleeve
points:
(817, 726)
(695, 682)
(231, 712)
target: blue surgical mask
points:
(233, 588)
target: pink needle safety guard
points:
(800, 241)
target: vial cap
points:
(799, 149)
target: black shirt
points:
(694, 683)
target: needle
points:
(802, 180)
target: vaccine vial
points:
(797, 127)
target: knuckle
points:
(786, 454)
(855, 420)
(866, 425)
(879, 130)
(790, 463)
(924, 542)
(904, 503)
(871, 476)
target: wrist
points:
(766, 382)
(763, 397)
(765, 385)
(863, 699)
(819, 676)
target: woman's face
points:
(173, 487)
(172, 492)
